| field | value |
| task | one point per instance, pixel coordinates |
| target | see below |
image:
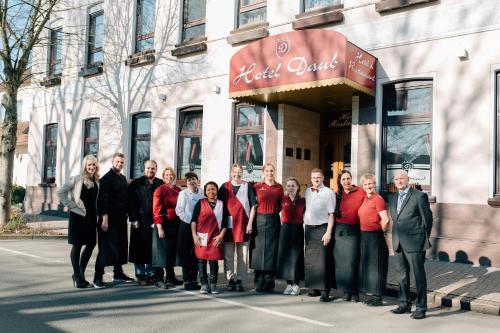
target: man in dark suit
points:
(412, 223)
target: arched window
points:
(141, 143)
(91, 137)
(190, 130)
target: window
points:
(249, 140)
(497, 162)
(91, 137)
(193, 22)
(191, 125)
(407, 118)
(141, 143)
(308, 5)
(95, 37)
(55, 52)
(251, 12)
(49, 167)
(145, 25)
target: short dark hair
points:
(189, 175)
(118, 154)
(210, 183)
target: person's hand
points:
(218, 240)
(197, 240)
(326, 238)
(161, 232)
(104, 224)
(249, 229)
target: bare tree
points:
(21, 25)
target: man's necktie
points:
(401, 198)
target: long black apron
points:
(374, 262)
(319, 272)
(140, 242)
(113, 244)
(264, 242)
(165, 250)
(291, 252)
(185, 247)
(346, 257)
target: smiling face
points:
(118, 163)
(192, 183)
(90, 167)
(269, 173)
(236, 175)
(369, 186)
(211, 192)
(291, 187)
(346, 181)
(150, 169)
(168, 177)
(401, 180)
(316, 179)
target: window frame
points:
(238, 131)
(138, 21)
(248, 8)
(53, 42)
(496, 188)
(86, 138)
(303, 8)
(401, 120)
(182, 134)
(91, 49)
(189, 24)
(138, 137)
(46, 145)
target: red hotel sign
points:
(298, 60)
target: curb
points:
(33, 237)
(453, 301)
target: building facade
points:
(372, 86)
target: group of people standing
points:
(326, 239)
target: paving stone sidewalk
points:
(456, 285)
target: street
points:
(36, 295)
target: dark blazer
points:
(412, 226)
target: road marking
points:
(31, 255)
(259, 309)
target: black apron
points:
(374, 262)
(318, 259)
(185, 247)
(113, 244)
(264, 242)
(346, 257)
(140, 243)
(82, 229)
(164, 250)
(291, 252)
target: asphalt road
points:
(36, 295)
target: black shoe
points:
(121, 277)
(195, 285)
(239, 285)
(188, 286)
(313, 293)
(173, 281)
(418, 315)
(401, 309)
(374, 301)
(231, 285)
(325, 297)
(259, 289)
(355, 298)
(160, 284)
(99, 283)
(346, 297)
(77, 282)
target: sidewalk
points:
(455, 285)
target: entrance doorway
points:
(335, 145)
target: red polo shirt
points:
(349, 206)
(293, 211)
(268, 198)
(369, 218)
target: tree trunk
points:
(7, 149)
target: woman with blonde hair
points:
(79, 195)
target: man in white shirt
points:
(318, 220)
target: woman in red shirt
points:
(347, 236)
(291, 244)
(374, 221)
(166, 229)
(265, 230)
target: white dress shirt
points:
(318, 205)
(186, 202)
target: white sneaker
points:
(295, 290)
(288, 289)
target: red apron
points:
(238, 219)
(208, 227)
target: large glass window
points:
(95, 37)
(251, 12)
(141, 143)
(316, 4)
(145, 25)
(249, 140)
(50, 156)
(407, 117)
(55, 52)
(193, 20)
(191, 125)
(91, 137)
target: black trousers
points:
(190, 272)
(99, 270)
(414, 261)
(214, 271)
(264, 280)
